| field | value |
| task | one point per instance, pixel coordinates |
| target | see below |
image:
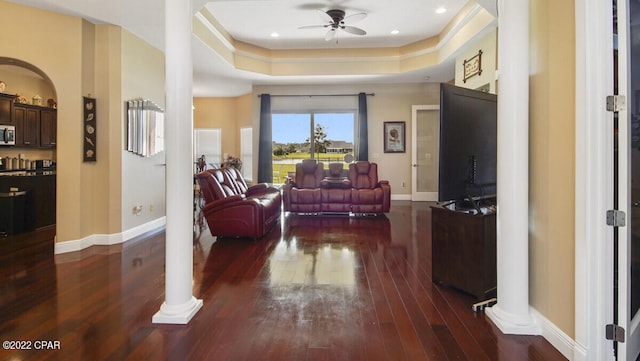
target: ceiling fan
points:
(336, 19)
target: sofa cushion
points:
(219, 185)
(336, 200)
(309, 174)
(363, 175)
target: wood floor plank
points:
(315, 288)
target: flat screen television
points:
(468, 136)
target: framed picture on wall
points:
(394, 137)
(472, 66)
(90, 138)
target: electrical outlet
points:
(151, 207)
(403, 184)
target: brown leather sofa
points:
(234, 209)
(315, 191)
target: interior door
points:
(425, 121)
(628, 252)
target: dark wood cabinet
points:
(48, 125)
(464, 251)
(6, 101)
(40, 209)
(19, 116)
(35, 126)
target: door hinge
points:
(616, 103)
(615, 333)
(616, 218)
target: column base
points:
(511, 324)
(177, 314)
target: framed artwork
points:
(394, 137)
(472, 66)
(89, 111)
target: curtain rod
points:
(316, 95)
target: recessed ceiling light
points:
(441, 10)
(395, 31)
(274, 35)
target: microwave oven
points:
(7, 135)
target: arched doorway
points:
(27, 175)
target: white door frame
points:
(629, 349)
(594, 181)
(415, 195)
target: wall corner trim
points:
(556, 337)
(108, 239)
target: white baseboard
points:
(556, 337)
(400, 197)
(108, 239)
(429, 197)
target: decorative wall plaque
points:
(472, 66)
(89, 123)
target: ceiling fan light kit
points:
(336, 19)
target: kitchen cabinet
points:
(40, 188)
(35, 126)
(5, 109)
(48, 126)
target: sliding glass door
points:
(325, 136)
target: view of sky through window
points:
(295, 128)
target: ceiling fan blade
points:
(324, 17)
(355, 17)
(353, 30)
(313, 27)
(331, 34)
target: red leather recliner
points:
(233, 209)
(368, 195)
(304, 196)
(336, 190)
(362, 192)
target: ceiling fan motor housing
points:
(337, 15)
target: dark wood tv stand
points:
(464, 249)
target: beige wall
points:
(228, 114)
(48, 34)
(25, 82)
(219, 113)
(392, 102)
(488, 45)
(83, 59)
(552, 161)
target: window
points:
(325, 136)
(207, 142)
(246, 153)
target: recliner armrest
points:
(227, 200)
(257, 188)
(230, 202)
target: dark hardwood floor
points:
(317, 288)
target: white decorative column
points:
(511, 313)
(179, 305)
